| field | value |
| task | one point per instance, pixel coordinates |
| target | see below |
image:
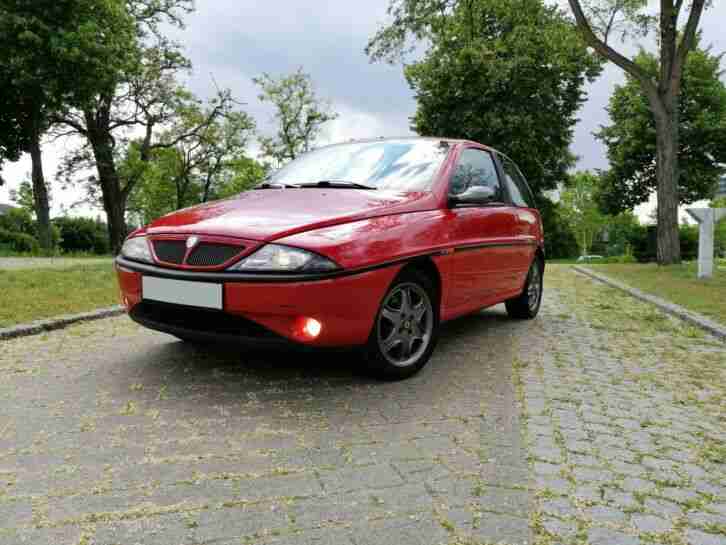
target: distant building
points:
(5, 208)
(721, 189)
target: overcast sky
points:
(231, 41)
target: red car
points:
(370, 243)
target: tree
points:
(198, 164)
(195, 170)
(146, 100)
(53, 53)
(299, 114)
(24, 198)
(580, 210)
(560, 241)
(508, 73)
(631, 143)
(597, 21)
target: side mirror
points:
(475, 195)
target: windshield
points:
(399, 165)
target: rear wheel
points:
(526, 305)
(406, 329)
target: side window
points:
(517, 185)
(475, 168)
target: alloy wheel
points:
(405, 324)
(534, 290)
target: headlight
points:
(137, 248)
(278, 258)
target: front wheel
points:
(406, 329)
(526, 305)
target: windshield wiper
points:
(338, 184)
(275, 185)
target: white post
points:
(707, 218)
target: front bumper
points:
(264, 309)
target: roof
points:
(451, 141)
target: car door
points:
(483, 235)
(527, 221)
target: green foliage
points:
(18, 220)
(631, 136)
(720, 235)
(244, 174)
(560, 241)
(18, 242)
(54, 54)
(644, 246)
(508, 73)
(82, 235)
(580, 210)
(299, 114)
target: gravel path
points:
(568, 429)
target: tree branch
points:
(689, 38)
(611, 54)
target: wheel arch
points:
(427, 266)
(540, 255)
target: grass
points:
(33, 294)
(56, 254)
(676, 283)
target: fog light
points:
(312, 328)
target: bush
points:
(18, 242)
(82, 235)
(560, 242)
(18, 220)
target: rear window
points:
(518, 188)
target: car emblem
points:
(192, 242)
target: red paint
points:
(359, 229)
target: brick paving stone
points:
(607, 536)
(651, 524)
(604, 515)
(697, 537)
(663, 508)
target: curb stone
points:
(715, 329)
(41, 326)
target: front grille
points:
(208, 254)
(199, 320)
(170, 251)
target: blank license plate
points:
(181, 292)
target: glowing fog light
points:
(312, 328)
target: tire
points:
(527, 304)
(406, 328)
(192, 341)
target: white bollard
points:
(707, 219)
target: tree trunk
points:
(114, 198)
(40, 191)
(669, 244)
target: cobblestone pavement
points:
(625, 412)
(568, 429)
(14, 263)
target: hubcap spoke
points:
(392, 316)
(391, 342)
(533, 291)
(405, 301)
(419, 311)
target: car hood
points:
(275, 213)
